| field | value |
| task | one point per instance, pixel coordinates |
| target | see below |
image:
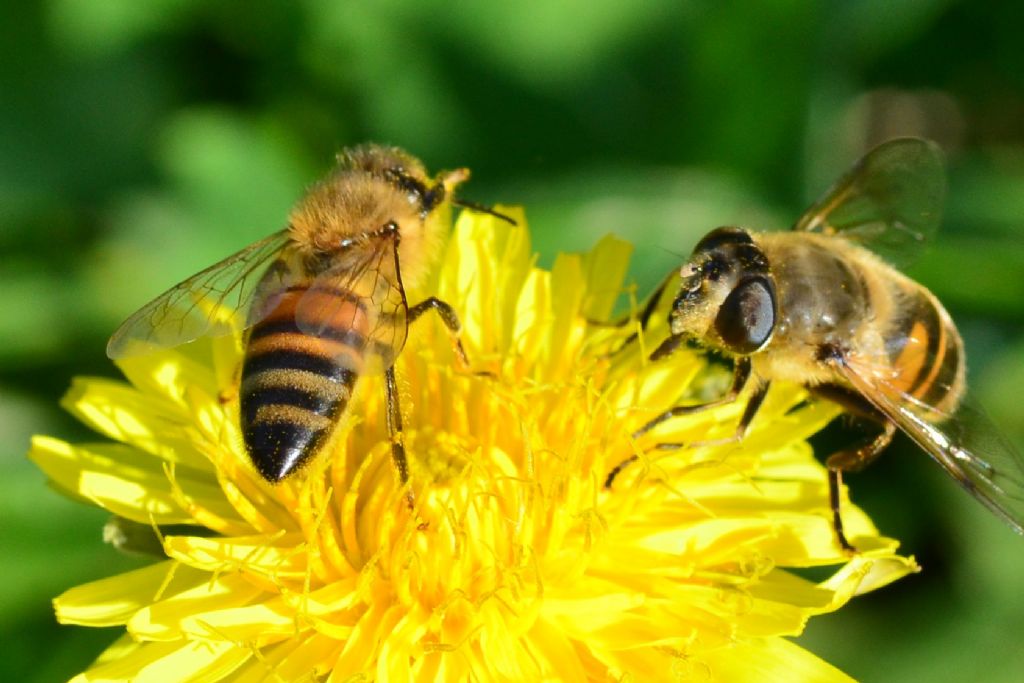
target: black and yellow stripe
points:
(295, 385)
(926, 351)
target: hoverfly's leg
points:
(667, 347)
(394, 422)
(645, 316)
(753, 405)
(851, 401)
(740, 377)
(448, 317)
(615, 471)
(852, 460)
(653, 299)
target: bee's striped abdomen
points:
(295, 385)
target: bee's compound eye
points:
(746, 318)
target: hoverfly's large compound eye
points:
(746, 319)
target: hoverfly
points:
(816, 307)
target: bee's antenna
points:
(481, 208)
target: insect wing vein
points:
(213, 302)
(996, 478)
(890, 201)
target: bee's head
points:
(727, 295)
(405, 174)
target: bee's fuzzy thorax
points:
(354, 202)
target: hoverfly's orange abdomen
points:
(926, 352)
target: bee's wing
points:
(965, 444)
(213, 302)
(890, 201)
(359, 299)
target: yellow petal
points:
(281, 559)
(605, 266)
(170, 375)
(127, 415)
(135, 485)
(770, 659)
(114, 600)
(194, 661)
(118, 478)
(869, 571)
(181, 613)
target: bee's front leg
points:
(450, 319)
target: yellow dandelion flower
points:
(517, 564)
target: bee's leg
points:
(477, 207)
(450, 319)
(740, 377)
(394, 422)
(852, 460)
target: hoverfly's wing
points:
(213, 302)
(890, 201)
(357, 304)
(965, 444)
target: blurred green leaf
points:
(95, 28)
(989, 194)
(552, 44)
(870, 27)
(972, 273)
(231, 182)
(663, 211)
(32, 322)
(999, 387)
(239, 177)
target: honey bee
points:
(323, 300)
(814, 306)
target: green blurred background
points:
(140, 142)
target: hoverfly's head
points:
(727, 295)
